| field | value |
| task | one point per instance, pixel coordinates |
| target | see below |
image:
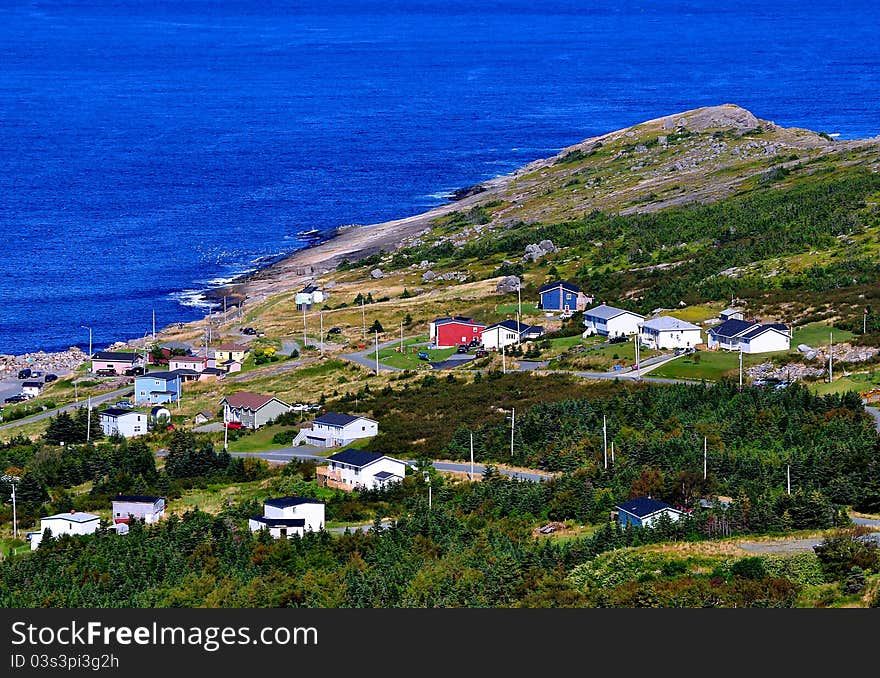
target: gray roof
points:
(384, 475)
(605, 312)
(74, 517)
(164, 376)
(665, 322)
(730, 311)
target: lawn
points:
(215, 497)
(859, 382)
(10, 545)
(815, 335)
(695, 314)
(528, 308)
(410, 360)
(709, 365)
(261, 439)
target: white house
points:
(118, 420)
(308, 297)
(72, 522)
(668, 332)
(749, 337)
(31, 389)
(644, 512)
(289, 515)
(146, 508)
(252, 409)
(608, 321)
(357, 469)
(730, 314)
(509, 332)
(336, 430)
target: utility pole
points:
(740, 369)
(705, 452)
(830, 355)
(12, 480)
(865, 320)
(503, 361)
(518, 313)
(427, 477)
(377, 353)
(512, 425)
(612, 453)
(225, 430)
(305, 340)
(401, 337)
(638, 368)
(605, 440)
(154, 322)
(364, 317)
(89, 420)
(472, 456)
(788, 478)
(321, 316)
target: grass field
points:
(261, 439)
(709, 365)
(816, 335)
(528, 308)
(410, 360)
(854, 382)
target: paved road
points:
(285, 455)
(96, 400)
(367, 357)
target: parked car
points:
(124, 403)
(24, 373)
(248, 330)
(106, 372)
(18, 398)
(315, 408)
(481, 353)
(335, 330)
(233, 424)
(50, 377)
(424, 356)
(134, 371)
(462, 348)
(619, 339)
(474, 343)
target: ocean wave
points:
(192, 299)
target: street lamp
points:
(12, 480)
(427, 477)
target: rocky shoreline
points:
(60, 362)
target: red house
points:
(448, 332)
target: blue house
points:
(157, 388)
(644, 512)
(563, 296)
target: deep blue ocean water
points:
(151, 149)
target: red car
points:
(233, 424)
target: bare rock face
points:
(508, 284)
(428, 276)
(377, 273)
(536, 251)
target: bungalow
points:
(449, 332)
(749, 337)
(308, 297)
(72, 522)
(228, 352)
(668, 332)
(123, 422)
(196, 363)
(31, 389)
(509, 332)
(157, 388)
(146, 508)
(203, 417)
(644, 512)
(608, 321)
(357, 469)
(117, 362)
(336, 430)
(289, 515)
(252, 409)
(563, 296)
(730, 314)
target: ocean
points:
(150, 150)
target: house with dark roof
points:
(284, 516)
(354, 469)
(336, 430)
(123, 422)
(608, 321)
(150, 509)
(749, 336)
(509, 332)
(195, 363)
(455, 330)
(252, 409)
(562, 296)
(308, 296)
(644, 512)
(116, 361)
(31, 389)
